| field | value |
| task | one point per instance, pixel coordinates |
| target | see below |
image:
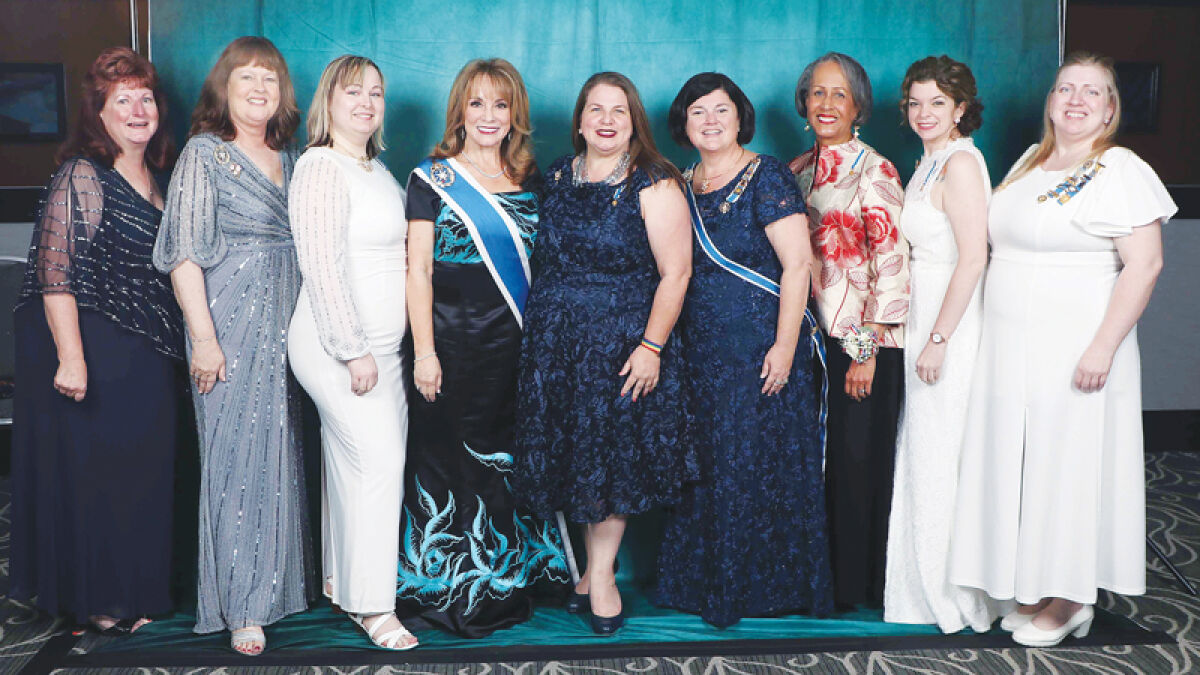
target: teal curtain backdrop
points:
(1011, 45)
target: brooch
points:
(442, 175)
(1063, 192)
(221, 154)
(558, 175)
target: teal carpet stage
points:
(324, 637)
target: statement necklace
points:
(617, 175)
(480, 169)
(363, 161)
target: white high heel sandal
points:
(396, 640)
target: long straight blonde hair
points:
(1107, 138)
(341, 72)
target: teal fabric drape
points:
(1012, 46)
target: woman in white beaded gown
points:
(347, 214)
(945, 222)
(1052, 485)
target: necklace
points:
(480, 168)
(617, 175)
(707, 178)
(363, 161)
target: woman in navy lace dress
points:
(98, 343)
(600, 388)
(749, 538)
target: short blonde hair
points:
(341, 72)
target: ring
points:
(862, 392)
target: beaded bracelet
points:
(652, 346)
(196, 340)
(422, 358)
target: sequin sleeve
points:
(189, 228)
(319, 210)
(69, 221)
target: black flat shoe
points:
(607, 625)
(121, 628)
(577, 603)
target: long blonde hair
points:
(341, 72)
(1107, 138)
(516, 150)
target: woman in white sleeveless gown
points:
(347, 214)
(945, 222)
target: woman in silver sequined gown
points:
(226, 241)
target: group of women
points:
(808, 458)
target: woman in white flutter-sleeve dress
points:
(347, 215)
(1051, 489)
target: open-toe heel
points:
(397, 640)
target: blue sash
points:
(817, 344)
(495, 234)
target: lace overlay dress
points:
(748, 539)
(227, 217)
(581, 447)
(918, 588)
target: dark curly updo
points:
(955, 80)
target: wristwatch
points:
(937, 338)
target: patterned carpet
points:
(1173, 501)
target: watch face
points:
(936, 338)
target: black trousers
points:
(859, 467)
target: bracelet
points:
(207, 339)
(652, 346)
(422, 358)
(860, 345)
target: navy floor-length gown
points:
(93, 480)
(749, 538)
(582, 448)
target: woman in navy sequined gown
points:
(98, 344)
(601, 409)
(749, 538)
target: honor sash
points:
(495, 234)
(817, 344)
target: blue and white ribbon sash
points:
(817, 344)
(495, 234)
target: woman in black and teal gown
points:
(749, 538)
(469, 560)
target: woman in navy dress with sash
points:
(469, 558)
(749, 538)
(600, 394)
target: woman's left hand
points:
(642, 368)
(1092, 371)
(929, 363)
(777, 364)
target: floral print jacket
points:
(854, 198)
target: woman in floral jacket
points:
(861, 287)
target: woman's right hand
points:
(71, 379)
(208, 365)
(427, 374)
(364, 374)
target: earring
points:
(856, 131)
(806, 126)
(957, 120)
(1108, 121)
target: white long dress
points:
(918, 588)
(350, 230)
(1051, 489)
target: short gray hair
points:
(855, 74)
